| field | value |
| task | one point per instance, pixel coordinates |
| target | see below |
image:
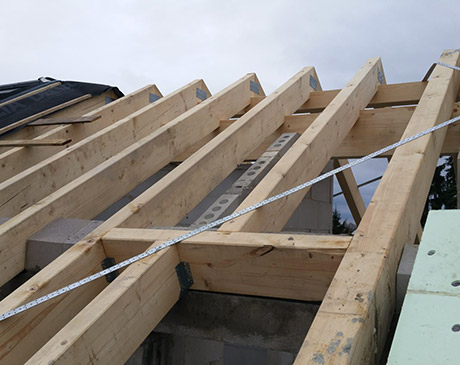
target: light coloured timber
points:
(360, 301)
(162, 205)
(110, 328)
(309, 154)
(375, 129)
(32, 142)
(285, 100)
(407, 93)
(19, 159)
(291, 266)
(70, 266)
(24, 121)
(89, 194)
(287, 265)
(32, 185)
(350, 191)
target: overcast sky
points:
(133, 43)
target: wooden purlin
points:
(35, 327)
(102, 322)
(19, 159)
(357, 310)
(269, 114)
(375, 129)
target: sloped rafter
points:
(20, 191)
(103, 322)
(309, 154)
(220, 154)
(19, 159)
(37, 326)
(356, 312)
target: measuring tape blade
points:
(220, 221)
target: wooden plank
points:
(43, 113)
(290, 96)
(111, 327)
(59, 121)
(19, 159)
(359, 303)
(291, 266)
(210, 255)
(163, 205)
(34, 143)
(19, 192)
(307, 158)
(350, 190)
(89, 194)
(407, 93)
(375, 129)
(21, 336)
(72, 265)
(81, 108)
(30, 93)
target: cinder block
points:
(57, 237)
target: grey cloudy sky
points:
(133, 43)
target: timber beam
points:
(290, 266)
(19, 159)
(309, 154)
(356, 313)
(77, 262)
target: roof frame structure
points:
(354, 277)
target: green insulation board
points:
(428, 330)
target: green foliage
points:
(443, 190)
(339, 226)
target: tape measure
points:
(220, 221)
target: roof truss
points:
(135, 138)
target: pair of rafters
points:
(107, 321)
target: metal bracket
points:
(184, 275)
(201, 94)
(313, 83)
(254, 87)
(108, 100)
(106, 263)
(153, 97)
(380, 75)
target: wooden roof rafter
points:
(83, 325)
